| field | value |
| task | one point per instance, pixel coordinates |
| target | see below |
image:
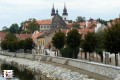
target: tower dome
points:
(53, 11)
(65, 14)
(65, 10)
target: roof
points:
(85, 31)
(91, 26)
(23, 36)
(81, 31)
(69, 25)
(2, 35)
(82, 23)
(37, 34)
(45, 22)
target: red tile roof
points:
(44, 22)
(82, 23)
(91, 26)
(85, 31)
(23, 36)
(2, 35)
(69, 25)
(37, 34)
(81, 31)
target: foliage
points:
(10, 37)
(73, 39)
(14, 28)
(32, 25)
(73, 42)
(112, 40)
(70, 21)
(58, 40)
(102, 21)
(5, 29)
(12, 44)
(29, 43)
(88, 44)
(99, 43)
(26, 31)
(80, 19)
(4, 45)
(68, 52)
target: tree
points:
(58, 40)
(32, 25)
(99, 43)
(10, 43)
(88, 44)
(10, 37)
(73, 41)
(21, 44)
(4, 45)
(80, 19)
(5, 29)
(29, 43)
(14, 28)
(102, 21)
(112, 40)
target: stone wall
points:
(98, 68)
(102, 69)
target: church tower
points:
(65, 14)
(52, 12)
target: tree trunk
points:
(101, 57)
(116, 60)
(81, 54)
(89, 56)
(96, 57)
(85, 55)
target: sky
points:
(17, 11)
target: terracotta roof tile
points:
(23, 36)
(85, 31)
(36, 35)
(69, 25)
(2, 35)
(44, 22)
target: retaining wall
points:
(98, 68)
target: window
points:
(44, 26)
(41, 26)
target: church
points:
(56, 20)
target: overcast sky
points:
(16, 11)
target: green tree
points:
(58, 40)
(5, 29)
(73, 41)
(80, 19)
(88, 44)
(32, 25)
(10, 37)
(99, 43)
(4, 45)
(10, 43)
(29, 43)
(14, 28)
(21, 44)
(112, 40)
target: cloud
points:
(19, 10)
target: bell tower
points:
(52, 12)
(65, 14)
